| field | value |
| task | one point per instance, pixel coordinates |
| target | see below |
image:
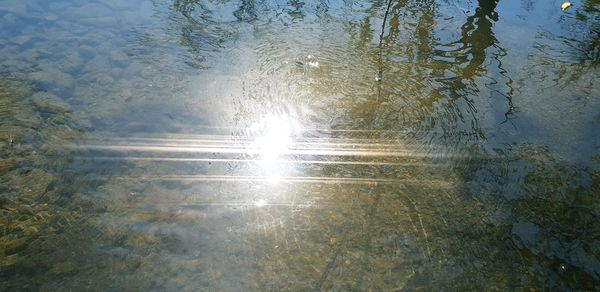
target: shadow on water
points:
(248, 145)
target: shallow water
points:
(273, 145)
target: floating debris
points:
(565, 6)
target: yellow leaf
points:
(565, 6)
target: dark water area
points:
(299, 145)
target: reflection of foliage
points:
(554, 210)
(477, 37)
(591, 6)
(591, 49)
(560, 187)
(566, 56)
(201, 33)
(246, 11)
(429, 85)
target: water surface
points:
(299, 145)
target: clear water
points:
(299, 145)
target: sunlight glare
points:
(261, 203)
(274, 137)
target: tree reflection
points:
(246, 11)
(564, 56)
(296, 12)
(591, 48)
(432, 82)
(433, 88)
(477, 37)
(427, 87)
(201, 33)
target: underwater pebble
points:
(116, 4)
(36, 182)
(51, 17)
(21, 40)
(133, 69)
(10, 19)
(99, 21)
(87, 10)
(18, 7)
(31, 55)
(100, 78)
(49, 103)
(7, 165)
(64, 268)
(53, 79)
(119, 58)
(116, 72)
(58, 6)
(94, 66)
(87, 51)
(71, 63)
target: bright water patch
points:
(243, 145)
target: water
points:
(273, 145)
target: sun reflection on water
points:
(274, 136)
(261, 203)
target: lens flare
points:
(274, 137)
(261, 203)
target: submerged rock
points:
(10, 19)
(18, 7)
(35, 183)
(51, 17)
(49, 103)
(134, 69)
(87, 51)
(22, 39)
(31, 55)
(99, 21)
(116, 4)
(67, 267)
(119, 58)
(72, 62)
(7, 165)
(100, 78)
(54, 80)
(58, 6)
(87, 10)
